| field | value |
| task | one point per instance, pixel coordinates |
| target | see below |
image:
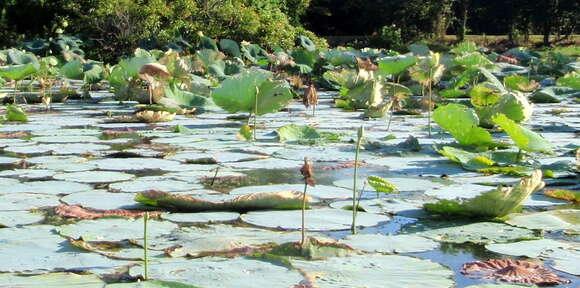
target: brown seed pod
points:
(513, 271)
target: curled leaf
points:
(381, 185)
(78, 212)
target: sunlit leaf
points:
(462, 123)
(524, 138)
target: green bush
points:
(389, 38)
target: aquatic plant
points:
(512, 271)
(308, 174)
(359, 140)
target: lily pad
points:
(150, 284)
(479, 233)
(316, 220)
(154, 183)
(47, 187)
(565, 260)
(137, 164)
(65, 139)
(17, 218)
(38, 249)
(114, 229)
(374, 243)
(404, 184)
(565, 219)
(374, 271)
(51, 280)
(100, 199)
(94, 177)
(531, 249)
(209, 217)
(318, 191)
(221, 273)
(26, 201)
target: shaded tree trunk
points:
(463, 13)
(442, 18)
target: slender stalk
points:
(304, 215)
(519, 156)
(145, 247)
(430, 99)
(393, 103)
(217, 169)
(362, 191)
(256, 113)
(354, 186)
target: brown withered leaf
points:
(344, 165)
(76, 211)
(513, 271)
(563, 194)
(154, 70)
(307, 172)
(310, 96)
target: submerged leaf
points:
(313, 249)
(299, 134)
(79, 212)
(496, 203)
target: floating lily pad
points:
(47, 187)
(567, 219)
(265, 163)
(17, 218)
(94, 177)
(9, 160)
(408, 208)
(531, 249)
(458, 191)
(100, 199)
(137, 164)
(316, 220)
(26, 201)
(318, 191)
(215, 157)
(65, 139)
(377, 271)
(37, 248)
(221, 272)
(8, 182)
(51, 280)
(390, 244)
(153, 183)
(194, 241)
(565, 260)
(114, 229)
(479, 233)
(150, 284)
(208, 217)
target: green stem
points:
(360, 194)
(354, 194)
(430, 100)
(145, 247)
(256, 113)
(304, 215)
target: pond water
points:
(74, 155)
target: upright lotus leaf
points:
(419, 49)
(338, 57)
(179, 67)
(554, 94)
(18, 72)
(15, 113)
(38, 46)
(470, 60)
(72, 70)
(133, 65)
(524, 138)
(571, 80)
(483, 96)
(184, 98)
(305, 57)
(493, 80)
(496, 203)
(230, 47)
(465, 78)
(238, 93)
(209, 57)
(253, 53)
(429, 71)
(288, 200)
(273, 96)
(514, 105)
(520, 83)
(396, 64)
(207, 43)
(18, 57)
(464, 47)
(381, 185)
(306, 43)
(462, 123)
(367, 95)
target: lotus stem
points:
(360, 195)
(430, 99)
(256, 113)
(360, 136)
(217, 169)
(519, 156)
(145, 247)
(304, 214)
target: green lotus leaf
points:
(295, 133)
(462, 123)
(253, 53)
(571, 80)
(238, 93)
(464, 47)
(308, 58)
(367, 94)
(306, 43)
(18, 72)
(524, 138)
(396, 64)
(519, 83)
(230, 47)
(273, 96)
(382, 185)
(493, 80)
(288, 200)
(17, 57)
(209, 57)
(481, 160)
(15, 113)
(133, 65)
(313, 249)
(479, 233)
(554, 94)
(344, 78)
(452, 93)
(564, 219)
(184, 98)
(496, 203)
(474, 59)
(208, 43)
(514, 105)
(419, 49)
(483, 96)
(338, 57)
(150, 284)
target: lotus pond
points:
(220, 201)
